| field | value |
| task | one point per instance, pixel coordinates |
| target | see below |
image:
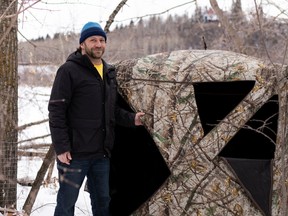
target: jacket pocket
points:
(87, 135)
(85, 123)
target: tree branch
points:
(238, 44)
(114, 13)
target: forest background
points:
(258, 35)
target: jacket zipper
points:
(57, 101)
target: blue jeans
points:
(71, 178)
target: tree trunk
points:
(50, 156)
(8, 103)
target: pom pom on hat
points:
(90, 29)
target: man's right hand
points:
(65, 157)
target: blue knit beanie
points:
(89, 29)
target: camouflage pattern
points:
(201, 183)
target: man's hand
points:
(65, 157)
(138, 117)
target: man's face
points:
(94, 47)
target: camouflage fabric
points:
(201, 180)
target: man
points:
(82, 115)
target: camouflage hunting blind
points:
(214, 140)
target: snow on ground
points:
(32, 103)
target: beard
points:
(94, 53)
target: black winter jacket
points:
(83, 109)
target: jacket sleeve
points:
(124, 117)
(57, 107)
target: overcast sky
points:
(53, 16)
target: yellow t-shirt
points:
(99, 69)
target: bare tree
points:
(8, 103)
(234, 39)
